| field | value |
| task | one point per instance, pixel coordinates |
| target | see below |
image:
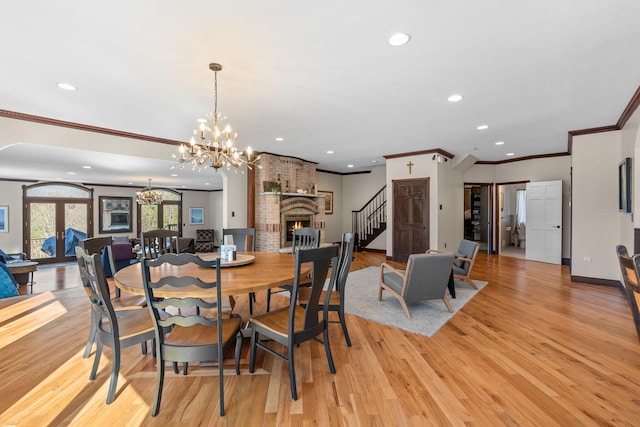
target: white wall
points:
(595, 216)
(450, 207)
(334, 225)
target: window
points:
(521, 207)
(167, 215)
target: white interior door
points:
(544, 222)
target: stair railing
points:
(367, 219)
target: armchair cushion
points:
(458, 262)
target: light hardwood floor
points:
(531, 348)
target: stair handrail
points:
(370, 217)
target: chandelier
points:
(148, 196)
(216, 145)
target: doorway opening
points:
(512, 232)
(478, 215)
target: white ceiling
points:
(319, 74)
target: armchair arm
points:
(388, 266)
(459, 258)
(435, 250)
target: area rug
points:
(427, 317)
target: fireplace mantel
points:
(287, 195)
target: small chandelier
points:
(215, 147)
(148, 196)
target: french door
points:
(55, 225)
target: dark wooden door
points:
(410, 218)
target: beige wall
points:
(334, 225)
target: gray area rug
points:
(427, 317)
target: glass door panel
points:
(43, 239)
(170, 217)
(149, 217)
(76, 217)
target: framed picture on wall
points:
(115, 214)
(328, 201)
(196, 216)
(4, 219)
(624, 186)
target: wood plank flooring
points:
(531, 349)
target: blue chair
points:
(8, 285)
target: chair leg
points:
(159, 383)
(143, 346)
(93, 335)
(327, 349)
(344, 327)
(252, 297)
(115, 369)
(238, 351)
(268, 300)
(185, 368)
(292, 372)
(175, 368)
(252, 354)
(404, 307)
(470, 281)
(447, 303)
(96, 360)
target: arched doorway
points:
(57, 216)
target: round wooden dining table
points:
(267, 270)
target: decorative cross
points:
(410, 164)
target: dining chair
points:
(243, 238)
(291, 326)
(630, 270)
(115, 329)
(195, 334)
(122, 301)
(337, 299)
(426, 277)
(159, 242)
(303, 238)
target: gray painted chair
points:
(122, 301)
(293, 325)
(196, 335)
(115, 329)
(336, 301)
(303, 238)
(426, 278)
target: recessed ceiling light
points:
(86, 167)
(174, 174)
(71, 173)
(183, 186)
(510, 154)
(374, 161)
(499, 142)
(206, 183)
(66, 86)
(454, 98)
(329, 151)
(473, 148)
(279, 139)
(129, 183)
(399, 39)
(482, 127)
(349, 166)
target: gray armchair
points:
(464, 258)
(426, 277)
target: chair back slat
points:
(344, 261)
(320, 260)
(305, 238)
(159, 242)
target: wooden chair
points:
(159, 242)
(195, 335)
(630, 270)
(464, 258)
(336, 301)
(101, 246)
(115, 329)
(303, 238)
(426, 277)
(293, 325)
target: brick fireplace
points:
(278, 213)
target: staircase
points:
(371, 220)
